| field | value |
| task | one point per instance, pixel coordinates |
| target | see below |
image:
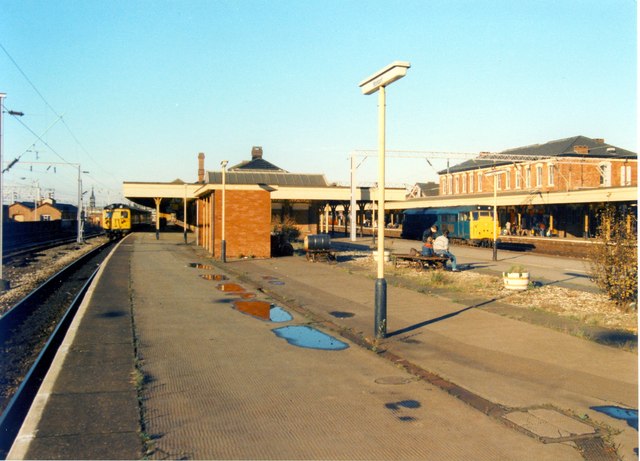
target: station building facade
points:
(558, 186)
(258, 198)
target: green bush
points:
(287, 228)
(614, 257)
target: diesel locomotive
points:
(471, 224)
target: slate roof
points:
(269, 177)
(557, 148)
(256, 164)
(259, 171)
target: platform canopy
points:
(144, 193)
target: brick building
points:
(250, 210)
(561, 165)
(562, 184)
(47, 210)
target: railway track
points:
(22, 250)
(30, 334)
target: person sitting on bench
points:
(427, 240)
(441, 248)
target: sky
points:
(132, 90)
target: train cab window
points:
(124, 214)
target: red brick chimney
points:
(599, 140)
(256, 152)
(200, 167)
(581, 149)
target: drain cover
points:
(549, 424)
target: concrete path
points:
(219, 384)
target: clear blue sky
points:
(143, 86)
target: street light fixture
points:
(223, 242)
(4, 284)
(377, 82)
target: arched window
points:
(605, 174)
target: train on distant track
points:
(118, 220)
(471, 224)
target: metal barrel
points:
(314, 242)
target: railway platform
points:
(162, 362)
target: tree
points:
(614, 256)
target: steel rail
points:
(40, 246)
(14, 414)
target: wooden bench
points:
(322, 255)
(419, 262)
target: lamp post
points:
(79, 237)
(495, 174)
(223, 242)
(377, 82)
(4, 284)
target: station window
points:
(464, 183)
(457, 184)
(450, 184)
(551, 169)
(479, 181)
(527, 177)
(471, 182)
(538, 175)
(45, 217)
(507, 180)
(605, 174)
(625, 175)
(518, 178)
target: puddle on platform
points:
(395, 406)
(278, 314)
(217, 277)
(272, 280)
(230, 288)
(263, 310)
(308, 337)
(342, 315)
(627, 414)
(201, 266)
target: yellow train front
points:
(118, 219)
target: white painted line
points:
(29, 428)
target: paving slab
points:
(220, 384)
(224, 386)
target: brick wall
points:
(567, 176)
(248, 223)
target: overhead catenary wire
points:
(59, 116)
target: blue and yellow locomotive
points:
(473, 224)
